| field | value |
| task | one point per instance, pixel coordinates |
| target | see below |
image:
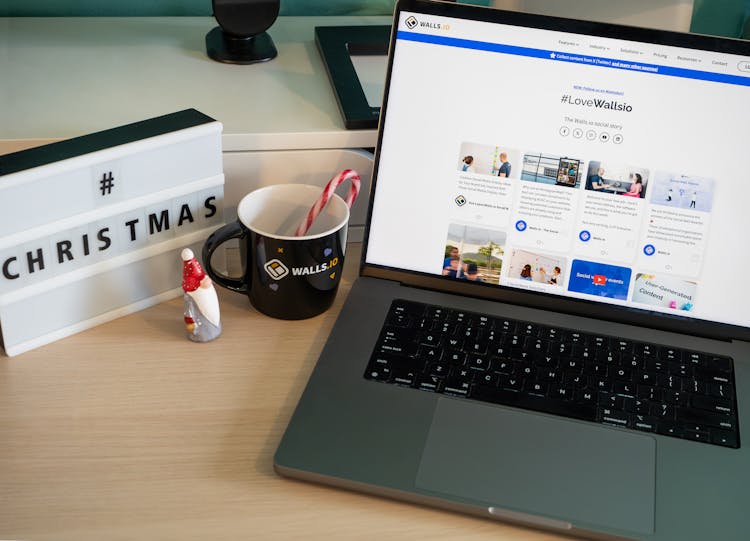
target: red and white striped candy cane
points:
(335, 182)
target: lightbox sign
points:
(91, 228)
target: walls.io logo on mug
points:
(276, 269)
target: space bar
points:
(532, 402)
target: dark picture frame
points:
(336, 45)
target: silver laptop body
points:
(593, 177)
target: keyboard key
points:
(499, 350)
(475, 347)
(529, 329)
(489, 379)
(718, 405)
(694, 386)
(550, 333)
(462, 372)
(438, 369)
(575, 380)
(670, 354)
(520, 354)
(436, 313)
(586, 396)
(597, 370)
(505, 325)
(484, 322)
(502, 366)
(623, 346)
(457, 386)
(712, 376)
(676, 398)
(561, 393)
(646, 379)
(624, 388)
(430, 353)
(477, 362)
(722, 364)
(653, 366)
(725, 438)
(454, 342)
(608, 357)
(670, 428)
(599, 342)
(430, 383)
(510, 383)
(613, 417)
(697, 435)
(720, 390)
(572, 366)
(549, 375)
(663, 411)
(644, 350)
(694, 358)
(396, 340)
(536, 345)
(668, 381)
(574, 337)
(632, 362)
(680, 369)
(537, 388)
(403, 377)
(611, 401)
(455, 357)
(379, 373)
(525, 370)
(623, 374)
(644, 407)
(644, 422)
(545, 360)
(430, 339)
(394, 361)
(648, 392)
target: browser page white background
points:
(442, 97)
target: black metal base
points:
(231, 50)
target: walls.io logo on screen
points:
(411, 22)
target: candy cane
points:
(335, 182)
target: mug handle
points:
(227, 232)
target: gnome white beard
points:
(208, 303)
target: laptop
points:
(551, 325)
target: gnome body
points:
(202, 316)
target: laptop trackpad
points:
(561, 469)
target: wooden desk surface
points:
(130, 431)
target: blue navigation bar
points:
(559, 56)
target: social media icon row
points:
(591, 135)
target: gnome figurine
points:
(202, 318)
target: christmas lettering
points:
(103, 241)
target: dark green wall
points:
(718, 17)
(74, 8)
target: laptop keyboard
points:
(636, 385)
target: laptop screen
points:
(577, 165)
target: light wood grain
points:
(130, 431)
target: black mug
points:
(285, 276)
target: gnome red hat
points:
(192, 272)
